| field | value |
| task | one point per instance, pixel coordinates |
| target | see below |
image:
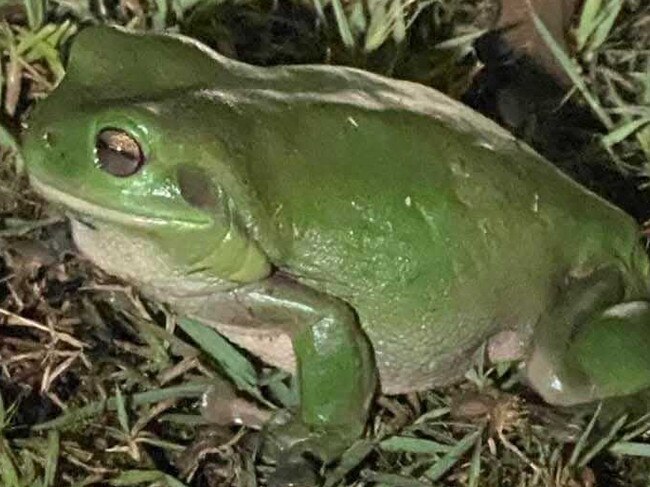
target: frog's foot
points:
(607, 357)
(553, 369)
(222, 405)
(612, 350)
(294, 438)
(556, 380)
(297, 448)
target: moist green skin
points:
(356, 229)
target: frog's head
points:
(123, 145)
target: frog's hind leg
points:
(592, 346)
(614, 350)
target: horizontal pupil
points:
(118, 153)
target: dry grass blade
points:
(17, 320)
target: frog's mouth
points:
(85, 210)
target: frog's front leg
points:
(334, 361)
(592, 346)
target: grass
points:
(99, 387)
(625, 115)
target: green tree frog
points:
(364, 233)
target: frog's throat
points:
(110, 215)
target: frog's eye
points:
(118, 153)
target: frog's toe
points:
(295, 439)
(221, 405)
(288, 443)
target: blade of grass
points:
(392, 480)
(357, 18)
(631, 448)
(378, 26)
(172, 482)
(637, 427)
(4, 419)
(8, 473)
(122, 415)
(2, 83)
(384, 22)
(474, 474)
(461, 41)
(235, 365)
(318, 7)
(159, 18)
(135, 477)
(29, 39)
(582, 441)
(624, 131)
(52, 458)
(604, 24)
(35, 13)
(413, 445)
(349, 461)
(398, 14)
(571, 70)
(587, 22)
(602, 442)
(643, 136)
(190, 389)
(442, 466)
(50, 55)
(342, 24)
(177, 346)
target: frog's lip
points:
(84, 207)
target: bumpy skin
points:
(373, 224)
